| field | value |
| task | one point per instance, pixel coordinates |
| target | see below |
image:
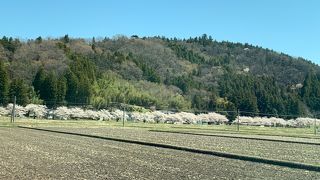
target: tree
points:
(50, 90)
(248, 103)
(310, 92)
(38, 81)
(212, 104)
(93, 44)
(198, 103)
(10, 44)
(231, 114)
(72, 86)
(19, 89)
(61, 90)
(84, 90)
(39, 40)
(295, 107)
(66, 39)
(4, 84)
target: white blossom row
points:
(65, 113)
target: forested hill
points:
(196, 74)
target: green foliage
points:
(72, 86)
(231, 113)
(253, 95)
(111, 88)
(81, 66)
(199, 74)
(84, 90)
(201, 102)
(183, 82)
(38, 80)
(19, 89)
(34, 98)
(185, 53)
(203, 40)
(9, 43)
(310, 91)
(81, 79)
(148, 72)
(179, 103)
(66, 39)
(39, 40)
(61, 90)
(4, 84)
(50, 90)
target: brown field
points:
(33, 154)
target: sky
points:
(288, 26)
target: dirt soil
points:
(31, 154)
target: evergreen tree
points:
(93, 44)
(249, 104)
(38, 81)
(72, 87)
(50, 90)
(66, 39)
(295, 107)
(19, 89)
(10, 44)
(232, 111)
(61, 90)
(311, 91)
(197, 103)
(4, 84)
(84, 90)
(212, 104)
(39, 40)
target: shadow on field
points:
(198, 151)
(236, 137)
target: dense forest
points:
(197, 74)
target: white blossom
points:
(65, 113)
(35, 110)
(212, 118)
(4, 111)
(20, 111)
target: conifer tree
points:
(38, 81)
(19, 89)
(4, 84)
(72, 87)
(50, 90)
(61, 90)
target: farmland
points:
(28, 153)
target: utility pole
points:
(124, 106)
(315, 126)
(124, 115)
(238, 117)
(13, 114)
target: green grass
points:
(196, 128)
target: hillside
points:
(195, 74)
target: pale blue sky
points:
(289, 26)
